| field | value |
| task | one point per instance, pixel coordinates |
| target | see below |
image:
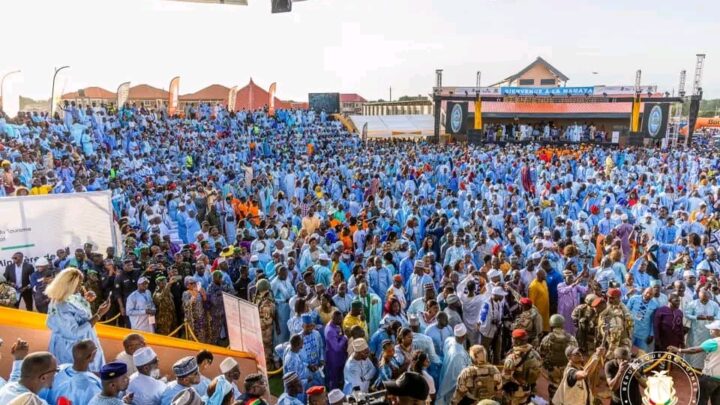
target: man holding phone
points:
(140, 307)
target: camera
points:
(364, 398)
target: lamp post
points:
(478, 75)
(52, 91)
(2, 82)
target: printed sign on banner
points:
(243, 325)
(622, 90)
(40, 225)
(546, 91)
(471, 91)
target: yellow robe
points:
(540, 297)
(350, 321)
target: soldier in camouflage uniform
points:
(183, 267)
(165, 305)
(8, 295)
(93, 283)
(521, 370)
(615, 323)
(480, 380)
(552, 350)
(268, 322)
(585, 319)
(530, 321)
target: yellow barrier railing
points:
(273, 373)
(36, 321)
(109, 321)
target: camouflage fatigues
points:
(477, 382)
(552, 350)
(585, 319)
(266, 307)
(530, 320)
(615, 326)
(165, 305)
(520, 373)
(8, 295)
(92, 283)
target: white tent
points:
(401, 126)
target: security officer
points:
(552, 350)
(521, 370)
(478, 381)
(615, 323)
(585, 319)
(529, 320)
(125, 284)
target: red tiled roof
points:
(147, 92)
(252, 97)
(212, 92)
(352, 98)
(91, 92)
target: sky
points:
(353, 46)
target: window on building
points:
(527, 82)
(547, 82)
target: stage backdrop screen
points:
(456, 118)
(655, 119)
(330, 102)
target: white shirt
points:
(147, 390)
(136, 305)
(128, 360)
(18, 276)
(471, 305)
(13, 390)
(430, 382)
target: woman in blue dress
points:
(70, 318)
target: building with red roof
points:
(90, 95)
(213, 94)
(147, 96)
(251, 96)
(351, 103)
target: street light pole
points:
(2, 82)
(52, 91)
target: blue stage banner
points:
(546, 91)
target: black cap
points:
(410, 384)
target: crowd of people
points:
(547, 131)
(424, 264)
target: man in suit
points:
(18, 275)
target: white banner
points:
(622, 90)
(40, 225)
(244, 330)
(471, 91)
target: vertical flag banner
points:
(11, 95)
(364, 132)
(123, 93)
(635, 115)
(478, 114)
(55, 102)
(271, 102)
(174, 95)
(232, 97)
